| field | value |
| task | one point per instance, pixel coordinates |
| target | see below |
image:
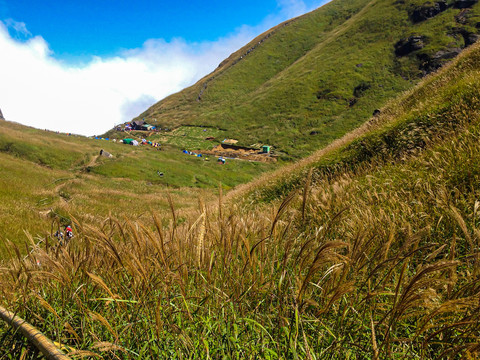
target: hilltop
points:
(314, 78)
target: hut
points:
(137, 124)
(147, 127)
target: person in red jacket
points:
(68, 233)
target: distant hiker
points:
(68, 233)
(59, 235)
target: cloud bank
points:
(40, 91)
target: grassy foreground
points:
(375, 256)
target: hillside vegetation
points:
(368, 249)
(50, 178)
(312, 79)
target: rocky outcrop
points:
(409, 45)
(464, 4)
(1, 115)
(427, 11)
(470, 38)
(361, 88)
(429, 64)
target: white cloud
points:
(40, 91)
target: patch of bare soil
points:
(237, 152)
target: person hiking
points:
(59, 235)
(68, 233)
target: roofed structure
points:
(137, 124)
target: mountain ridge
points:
(282, 99)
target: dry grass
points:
(378, 261)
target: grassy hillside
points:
(367, 249)
(310, 80)
(48, 178)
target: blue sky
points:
(87, 65)
(103, 27)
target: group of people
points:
(61, 236)
(221, 159)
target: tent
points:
(127, 141)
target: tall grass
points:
(379, 262)
(375, 256)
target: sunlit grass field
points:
(368, 249)
(47, 177)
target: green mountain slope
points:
(368, 249)
(310, 80)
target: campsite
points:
(55, 172)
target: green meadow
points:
(367, 249)
(309, 81)
(48, 178)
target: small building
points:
(137, 124)
(147, 127)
